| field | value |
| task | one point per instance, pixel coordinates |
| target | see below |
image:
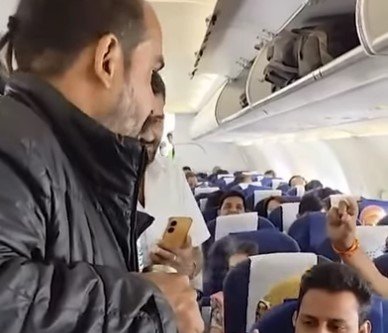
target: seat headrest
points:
(283, 216)
(269, 241)
(264, 194)
(372, 239)
(235, 223)
(250, 282)
(309, 231)
(205, 190)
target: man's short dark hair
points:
(292, 178)
(334, 278)
(158, 86)
(310, 203)
(313, 185)
(232, 194)
(46, 36)
(186, 168)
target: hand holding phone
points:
(175, 235)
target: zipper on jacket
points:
(134, 264)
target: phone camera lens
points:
(174, 223)
(170, 230)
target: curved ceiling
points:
(184, 26)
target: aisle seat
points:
(248, 283)
(283, 216)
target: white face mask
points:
(164, 150)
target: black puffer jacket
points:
(68, 190)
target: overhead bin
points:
(352, 88)
(232, 97)
(372, 24)
(236, 27)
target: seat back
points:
(309, 231)
(225, 225)
(269, 241)
(279, 319)
(372, 239)
(276, 182)
(264, 194)
(368, 202)
(205, 190)
(210, 214)
(249, 282)
(382, 264)
(297, 191)
(283, 216)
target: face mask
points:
(164, 151)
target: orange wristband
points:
(350, 251)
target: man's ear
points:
(366, 327)
(294, 318)
(108, 59)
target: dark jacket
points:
(68, 190)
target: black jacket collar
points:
(109, 161)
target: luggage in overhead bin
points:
(296, 53)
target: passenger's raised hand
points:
(182, 298)
(341, 224)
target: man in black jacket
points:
(70, 172)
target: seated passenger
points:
(371, 215)
(192, 180)
(243, 251)
(165, 193)
(266, 206)
(239, 252)
(310, 203)
(342, 223)
(297, 181)
(313, 185)
(333, 298)
(269, 174)
(232, 203)
(243, 179)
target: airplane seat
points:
(225, 225)
(266, 182)
(381, 263)
(283, 216)
(210, 214)
(309, 231)
(297, 191)
(369, 202)
(284, 188)
(251, 189)
(279, 319)
(205, 190)
(372, 240)
(269, 241)
(249, 282)
(326, 250)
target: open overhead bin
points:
(351, 88)
(236, 27)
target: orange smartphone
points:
(176, 233)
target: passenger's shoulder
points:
(23, 132)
